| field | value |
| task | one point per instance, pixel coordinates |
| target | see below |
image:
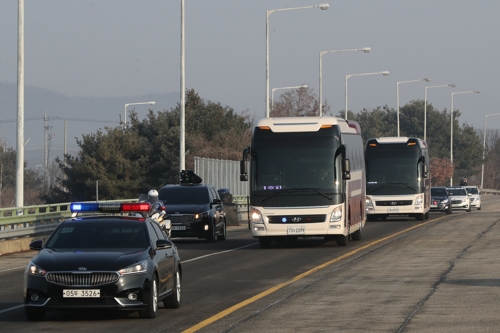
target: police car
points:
(106, 259)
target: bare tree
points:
(301, 102)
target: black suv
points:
(195, 210)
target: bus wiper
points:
(274, 194)
(392, 185)
(411, 188)
(296, 190)
(312, 189)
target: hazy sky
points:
(132, 47)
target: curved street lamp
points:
(281, 88)
(364, 49)
(323, 6)
(384, 73)
(425, 105)
(451, 125)
(484, 145)
(141, 103)
(397, 93)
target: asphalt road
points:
(439, 275)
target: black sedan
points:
(440, 200)
(104, 262)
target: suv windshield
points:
(178, 195)
(99, 235)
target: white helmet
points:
(153, 195)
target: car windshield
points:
(472, 190)
(178, 195)
(438, 192)
(99, 235)
(457, 191)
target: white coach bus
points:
(397, 175)
(307, 179)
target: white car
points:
(475, 196)
(460, 199)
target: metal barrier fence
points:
(221, 173)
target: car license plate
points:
(298, 230)
(82, 293)
(178, 227)
(433, 206)
(392, 210)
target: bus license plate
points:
(79, 293)
(393, 210)
(296, 230)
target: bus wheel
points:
(420, 217)
(342, 240)
(264, 242)
(357, 234)
(426, 216)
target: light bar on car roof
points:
(109, 207)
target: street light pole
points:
(323, 6)
(397, 94)
(182, 110)
(384, 73)
(425, 105)
(20, 109)
(295, 87)
(484, 146)
(125, 118)
(451, 125)
(364, 49)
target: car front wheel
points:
(152, 307)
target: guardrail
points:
(35, 220)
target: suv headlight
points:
(138, 268)
(201, 215)
(419, 200)
(36, 270)
(256, 216)
(445, 201)
(336, 215)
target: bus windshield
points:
(387, 170)
(295, 169)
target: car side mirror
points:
(163, 244)
(36, 245)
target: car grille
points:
(456, 202)
(82, 279)
(181, 218)
(394, 203)
(297, 219)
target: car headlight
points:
(201, 215)
(368, 202)
(445, 201)
(466, 200)
(35, 270)
(419, 200)
(256, 216)
(336, 214)
(140, 267)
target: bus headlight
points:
(256, 216)
(368, 203)
(336, 214)
(419, 200)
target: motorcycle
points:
(158, 213)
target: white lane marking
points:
(12, 308)
(11, 269)
(216, 253)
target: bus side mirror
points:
(425, 172)
(346, 169)
(243, 171)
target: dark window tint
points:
(438, 192)
(175, 195)
(99, 234)
(472, 190)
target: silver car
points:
(460, 199)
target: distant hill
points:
(106, 111)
